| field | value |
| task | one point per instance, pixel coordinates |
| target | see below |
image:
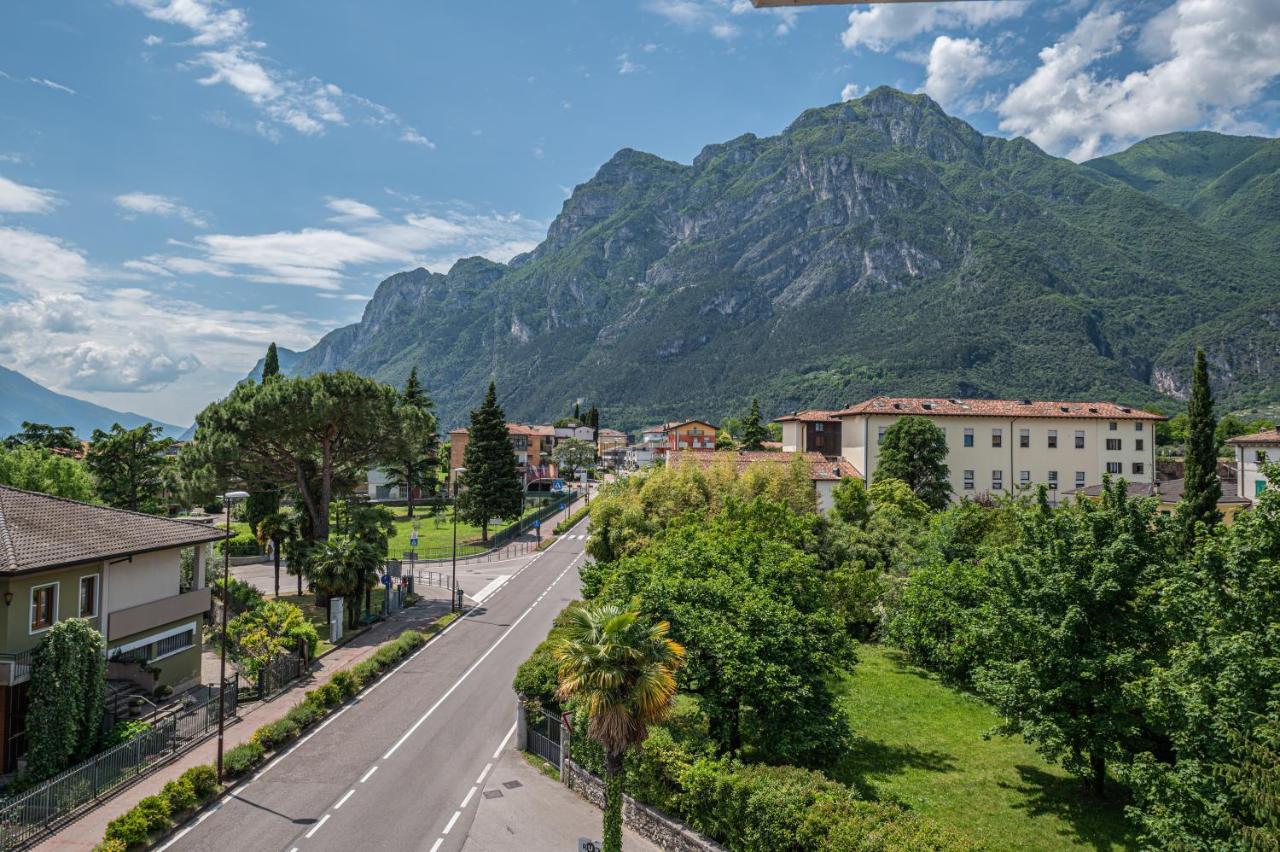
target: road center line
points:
(317, 826)
(369, 774)
(436, 845)
(343, 800)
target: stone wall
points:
(650, 824)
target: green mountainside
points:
(875, 246)
(22, 399)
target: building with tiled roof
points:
(1169, 493)
(812, 430)
(138, 579)
(533, 444)
(824, 472)
(1251, 452)
(1003, 446)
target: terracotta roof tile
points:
(935, 407)
(810, 415)
(1169, 491)
(39, 531)
(1270, 436)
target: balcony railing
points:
(16, 668)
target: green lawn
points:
(921, 743)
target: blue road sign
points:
(386, 580)
(537, 524)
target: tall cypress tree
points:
(593, 420)
(754, 433)
(271, 364)
(491, 483)
(1201, 488)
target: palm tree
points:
(276, 528)
(622, 670)
(339, 566)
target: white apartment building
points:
(1002, 446)
(1250, 452)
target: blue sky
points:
(183, 181)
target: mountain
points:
(23, 399)
(874, 246)
(1228, 183)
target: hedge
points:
(155, 815)
(240, 545)
(573, 518)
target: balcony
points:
(16, 668)
(137, 619)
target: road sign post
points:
(335, 620)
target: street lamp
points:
(228, 499)
(453, 592)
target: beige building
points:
(1250, 451)
(1003, 446)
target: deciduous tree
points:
(43, 436)
(572, 455)
(68, 697)
(129, 465)
(34, 469)
(914, 451)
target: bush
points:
(125, 730)
(112, 845)
(275, 734)
(128, 829)
(365, 671)
(937, 618)
(180, 793)
(326, 695)
(241, 759)
(243, 544)
(242, 596)
(573, 518)
(204, 780)
(155, 812)
(346, 683)
(305, 714)
(842, 823)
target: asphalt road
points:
(401, 767)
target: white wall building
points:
(1002, 446)
(1250, 451)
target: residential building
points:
(138, 579)
(1003, 446)
(824, 472)
(811, 431)
(1250, 452)
(1169, 492)
(581, 433)
(610, 439)
(532, 444)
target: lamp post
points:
(228, 499)
(453, 592)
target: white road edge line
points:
(369, 774)
(468, 672)
(343, 800)
(466, 800)
(453, 819)
(436, 845)
(504, 742)
(487, 767)
(317, 826)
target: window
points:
(1260, 456)
(1079, 479)
(1138, 444)
(880, 435)
(968, 480)
(1139, 468)
(1079, 439)
(44, 607)
(89, 596)
(1113, 443)
(1053, 439)
(1259, 486)
(1024, 477)
(1053, 480)
(968, 437)
(1137, 427)
(817, 427)
(997, 437)
(1024, 438)
(1113, 425)
(997, 480)
(1115, 467)
(171, 645)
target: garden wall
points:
(650, 824)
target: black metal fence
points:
(278, 674)
(502, 544)
(544, 731)
(32, 813)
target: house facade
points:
(1004, 446)
(138, 579)
(1250, 453)
(811, 431)
(532, 445)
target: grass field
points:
(922, 744)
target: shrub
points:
(129, 829)
(346, 683)
(573, 518)
(329, 694)
(842, 823)
(305, 714)
(241, 596)
(365, 671)
(242, 544)
(243, 758)
(112, 845)
(275, 734)
(155, 811)
(125, 730)
(180, 793)
(204, 780)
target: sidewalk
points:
(86, 831)
(521, 808)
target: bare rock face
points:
(877, 245)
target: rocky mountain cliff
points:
(875, 246)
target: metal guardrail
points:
(31, 814)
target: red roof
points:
(821, 468)
(810, 415)
(1270, 436)
(514, 429)
(934, 407)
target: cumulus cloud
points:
(880, 28)
(19, 198)
(1213, 59)
(34, 262)
(955, 66)
(159, 205)
(227, 55)
(135, 366)
(850, 91)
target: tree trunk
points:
(1098, 779)
(299, 570)
(613, 769)
(735, 730)
(368, 597)
(275, 549)
(484, 532)
(408, 491)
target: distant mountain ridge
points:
(22, 399)
(874, 246)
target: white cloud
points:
(50, 84)
(955, 65)
(724, 30)
(228, 56)
(136, 366)
(850, 91)
(717, 17)
(152, 40)
(881, 27)
(33, 262)
(159, 205)
(19, 198)
(350, 210)
(626, 65)
(1214, 60)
